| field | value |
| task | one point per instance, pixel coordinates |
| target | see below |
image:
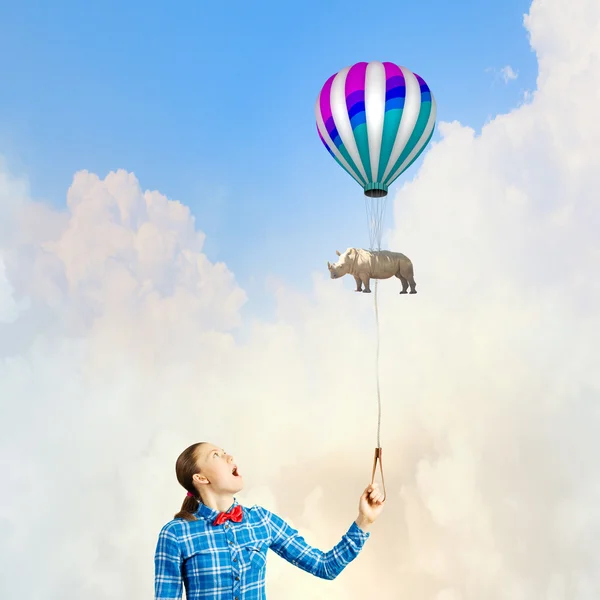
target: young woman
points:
(217, 548)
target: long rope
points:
(377, 368)
(375, 208)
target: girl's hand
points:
(370, 504)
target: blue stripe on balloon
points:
(358, 119)
(396, 92)
(357, 108)
(394, 104)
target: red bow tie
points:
(235, 514)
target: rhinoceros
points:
(365, 265)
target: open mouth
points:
(234, 472)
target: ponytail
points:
(189, 507)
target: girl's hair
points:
(185, 468)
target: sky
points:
(213, 104)
(166, 213)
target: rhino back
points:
(382, 264)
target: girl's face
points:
(218, 469)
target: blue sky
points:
(212, 104)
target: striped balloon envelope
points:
(375, 119)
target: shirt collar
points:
(205, 512)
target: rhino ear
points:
(338, 252)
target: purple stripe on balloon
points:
(392, 71)
(424, 87)
(332, 130)
(394, 79)
(355, 82)
(325, 104)
(354, 99)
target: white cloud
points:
(120, 344)
(508, 74)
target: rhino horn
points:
(328, 265)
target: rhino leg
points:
(404, 283)
(358, 284)
(413, 285)
(407, 281)
(366, 281)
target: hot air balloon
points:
(375, 119)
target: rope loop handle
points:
(378, 453)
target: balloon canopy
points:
(375, 119)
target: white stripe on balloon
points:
(412, 105)
(375, 112)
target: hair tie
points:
(190, 495)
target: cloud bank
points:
(121, 343)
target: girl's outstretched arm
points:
(289, 544)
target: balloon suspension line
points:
(375, 208)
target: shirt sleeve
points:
(290, 545)
(167, 567)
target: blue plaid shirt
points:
(228, 562)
